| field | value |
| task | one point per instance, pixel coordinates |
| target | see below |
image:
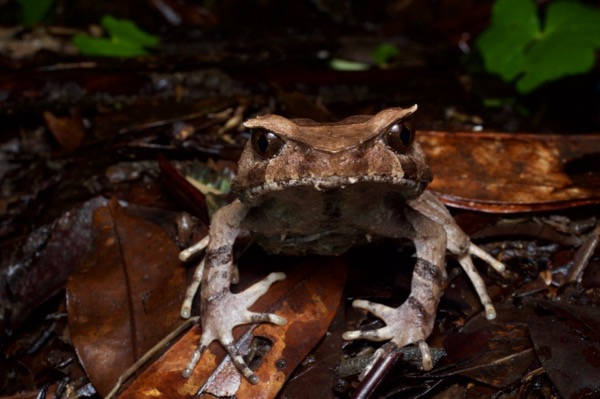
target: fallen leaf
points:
(67, 130)
(40, 266)
(496, 352)
(127, 295)
(506, 172)
(308, 298)
(317, 375)
(567, 343)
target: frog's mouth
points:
(407, 188)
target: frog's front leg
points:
(221, 310)
(460, 245)
(413, 321)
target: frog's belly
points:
(305, 220)
(325, 243)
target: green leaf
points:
(34, 11)
(565, 46)
(127, 30)
(555, 58)
(103, 47)
(125, 40)
(514, 25)
(384, 53)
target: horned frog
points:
(307, 187)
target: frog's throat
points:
(408, 188)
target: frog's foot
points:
(226, 310)
(408, 324)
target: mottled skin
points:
(305, 187)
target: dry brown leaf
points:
(506, 172)
(127, 295)
(308, 298)
(68, 130)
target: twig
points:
(149, 354)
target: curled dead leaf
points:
(506, 172)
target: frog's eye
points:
(399, 136)
(265, 143)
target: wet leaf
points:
(127, 295)
(506, 173)
(308, 298)
(567, 343)
(47, 257)
(320, 370)
(496, 352)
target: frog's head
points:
(284, 153)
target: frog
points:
(305, 187)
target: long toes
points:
(426, 361)
(381, 334)
(467, 264)
(252, 293)
(240, 364)
(186, 311)
(481, 254)
(194, 249)
(377, 309)
(253, 317)
(186, 308)
(191, 364)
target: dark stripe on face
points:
(409, 167)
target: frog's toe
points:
(381, 334)
(223, 313)
(194, 359)
(467, 265)
(240, 364)
(403, 326)
(489, 259)
(252, 293)
(379, 310)
(376, 309)
(253, 317)
(426, 360)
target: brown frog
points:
(308, 187)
